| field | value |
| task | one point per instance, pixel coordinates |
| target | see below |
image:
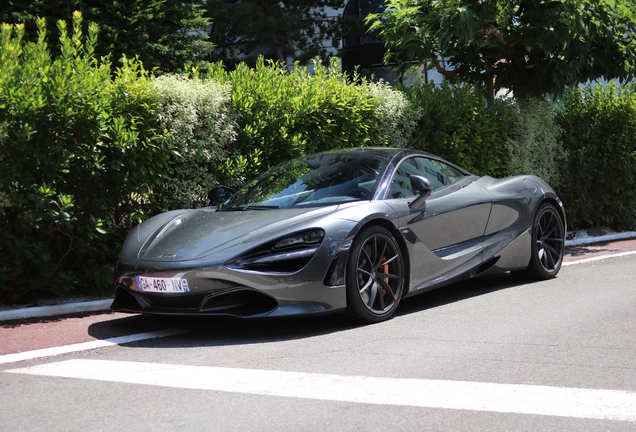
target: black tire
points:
(548, 243)
(375, 276)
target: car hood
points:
(193, 234)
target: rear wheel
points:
(548, 243)
(375, 276)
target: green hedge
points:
(200, 129)
(500, 139)
(599, 132)
(282, 115)
(585, 146)
(285, 114)
(79, 155)
(457, 124)
(534, 142)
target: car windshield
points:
(316, 180)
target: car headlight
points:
(305, 238)
(287, 255)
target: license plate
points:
(159, 284)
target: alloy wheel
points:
(379, 273)
(550, 239)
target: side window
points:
(400, 183)
(449, 172)
(451, 175)
(439, 174)
(431, 170)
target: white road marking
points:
(85, 346)
(460, 395)
(598, 258)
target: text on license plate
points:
(157, 284)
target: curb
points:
(55, 310)
(600, 239)
(104, 305)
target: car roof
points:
(393, 154)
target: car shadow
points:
(222, 331)
(599, 248)
(458, 291)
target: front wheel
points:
(375, 276)
(548, 243)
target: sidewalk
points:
(590, 251)
(576, 250)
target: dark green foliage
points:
(285, 114)
(529, 47)
(534, 142)
(457, 124)
(241, 30)
(599, 130)
(164, 34)
(79, 154)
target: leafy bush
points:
(457, 124)
(199, 129)
(288, 114)
(285, 114)
(396, 119)
(534, 142)
(599, 126)
(4, 201)
(78, 154)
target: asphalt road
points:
(492, 354)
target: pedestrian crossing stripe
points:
(423, 393)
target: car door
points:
(447, 230)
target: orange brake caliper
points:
(384, 269)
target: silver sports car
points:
(353, 230)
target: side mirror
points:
(219, 195)
(422, 187)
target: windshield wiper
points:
(251, 207)
(260, 207)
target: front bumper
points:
(224, 291)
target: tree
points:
(244, 29)
(165, 34)
(532, 47)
